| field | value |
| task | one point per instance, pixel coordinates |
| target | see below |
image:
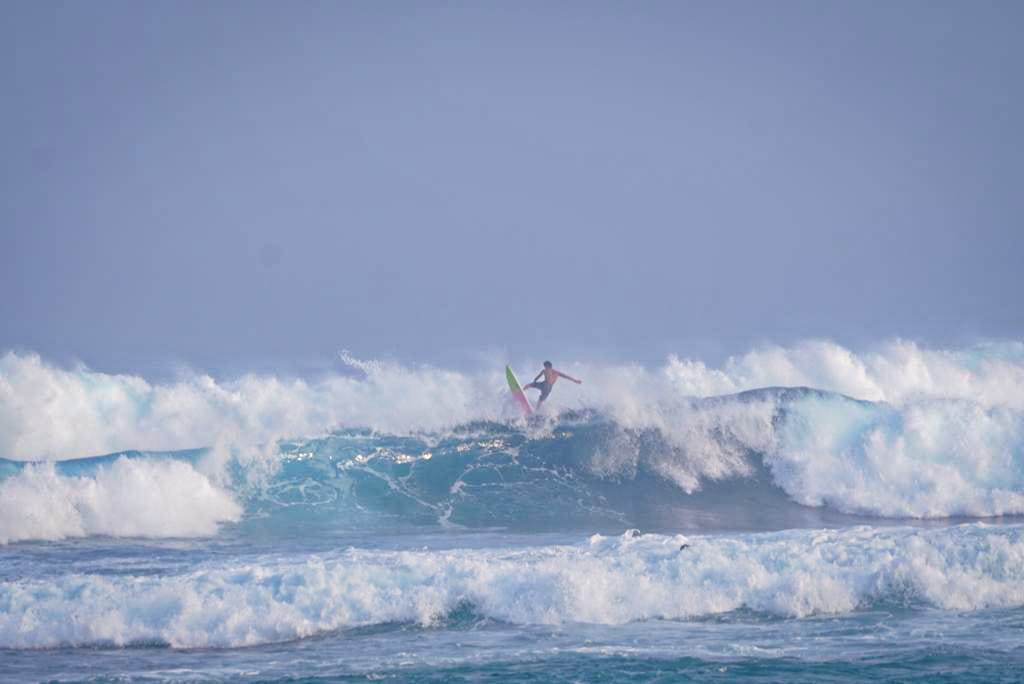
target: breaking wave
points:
(903, 432)
(603, 581)
(123, 498)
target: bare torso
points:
(550, 376)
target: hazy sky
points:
(247, 184)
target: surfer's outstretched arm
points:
(569, 377)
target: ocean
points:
(795, 514)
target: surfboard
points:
(517, 392)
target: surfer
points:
(550, 375)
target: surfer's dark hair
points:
(547, 364)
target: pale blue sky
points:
(238, 185)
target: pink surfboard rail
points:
(517, 392)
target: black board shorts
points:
(545, 388)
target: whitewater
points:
(794, 513)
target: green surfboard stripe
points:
(513, 384)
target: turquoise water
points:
(567, 550)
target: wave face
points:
(603, 581)
(904, 432)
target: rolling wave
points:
(230, 603)
(903, 432)
(762, 459)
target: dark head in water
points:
(547, 364)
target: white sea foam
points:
(604, 581)
(926, 459)
(52, 412)
(126, 498)
(990, 374)
(48, 412)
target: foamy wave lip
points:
(604, 581)
(127, 498)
